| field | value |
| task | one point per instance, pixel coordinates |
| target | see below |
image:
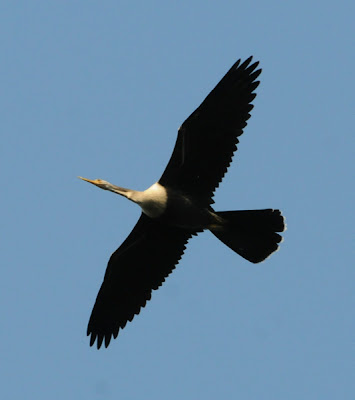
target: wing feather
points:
(138, 266)
(208, 138)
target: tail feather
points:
(251, 233)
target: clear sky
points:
(99, 89)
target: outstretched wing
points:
(139, 265)
(208, 138)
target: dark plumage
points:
(208, 138)
(129, 281)
(179, 206)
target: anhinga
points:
(178, 206)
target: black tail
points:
(252, 234)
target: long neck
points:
(153, 201)
(128, 193)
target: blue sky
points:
(99, 89)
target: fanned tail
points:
(252, 233)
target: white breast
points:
(153, 201)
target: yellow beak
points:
(94, 182)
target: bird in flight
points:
(179, 206)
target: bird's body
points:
(178, 206)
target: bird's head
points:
(109, 186)
(99, 183)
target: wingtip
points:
(107, 340)
(95, 338)
(99, 340)
(245, 63)
(92, 340)
(248, 65)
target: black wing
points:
(139, 265)
(208, 138)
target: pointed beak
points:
(108, 186)
(94, 182)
